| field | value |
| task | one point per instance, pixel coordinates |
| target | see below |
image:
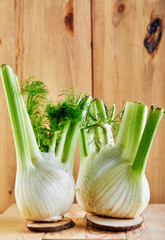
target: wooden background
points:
(97, 43)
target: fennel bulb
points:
(44, 188)
(112, 182)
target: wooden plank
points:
(49, 40)
(12, 226)
(82, 54)
(140, 233)
(124, 70)
(154, 217)
(7, 151)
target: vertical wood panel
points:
(7, 152)
(124, 70)
(49, 40)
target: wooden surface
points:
(7, 150)
(12, 226)
(97, 43)
(123, 69)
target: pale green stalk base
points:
(100, 136)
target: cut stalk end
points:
(131, 128)
(153, 120)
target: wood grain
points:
(124, 70)
(7, 150)
(12, 226)
(50, 40)
(48, 50)
(154, 216)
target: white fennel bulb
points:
(46, 190)
(112, 182)
(45, 185)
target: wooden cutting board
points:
(12, 226)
